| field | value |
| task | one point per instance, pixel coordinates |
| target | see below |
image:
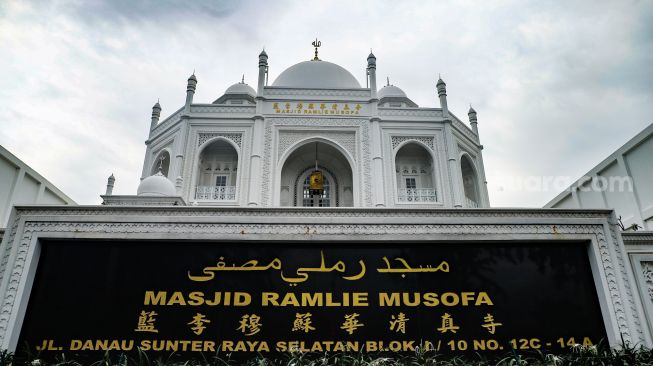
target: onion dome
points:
(156, 185)
(238, 93)
(391, 91)
(317, 74)
(241, 88)
(393, 94)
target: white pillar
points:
(255, 186)
(454, 166)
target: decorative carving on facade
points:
(426, 140)
(267, 161)
(288, 138)
(647, 273)
(427, 113)
(621, 259)
(367, 162)
(93, 222)
(223, 109)
(236, 138)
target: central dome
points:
(317, 75)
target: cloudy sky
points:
(558, 85)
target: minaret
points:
(255, 176)
(262, 71)
(452, 157)
(110, 182)
(156, 113)
(442, 93)
(472, 120)
(378, 189)
(190, 92)
(371, 73)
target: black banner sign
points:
(245, 297)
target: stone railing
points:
(215, 193)
(417, 195)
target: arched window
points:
(414, 175)
(162, 161)
(217, 172)
(303, 197)
(470, 182)
(324, 200)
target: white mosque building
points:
(374, 147)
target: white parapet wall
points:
(623, 182)
(22, 185)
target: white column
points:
(377, 165)
(254, 196)
(454, 166)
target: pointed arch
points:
(161, 161)
(470, 181)
(415, 175)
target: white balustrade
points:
(215, 193)
(417, 195)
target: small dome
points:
(391, 91)
(241, 88)
(156, 185)
(318, 75)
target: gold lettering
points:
(392, 300)
(152, 299)
(483, 299)
(269, 298)
(449, 299)
(360, 299)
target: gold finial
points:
(161, 159)
(316, 44)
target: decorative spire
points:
(440, 81)
(156, 113)
(242, 81)
(316, 44)
(388, 79)
(161, 159)
(110, 183)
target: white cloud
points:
(557, 86)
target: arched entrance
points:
(337, 173)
